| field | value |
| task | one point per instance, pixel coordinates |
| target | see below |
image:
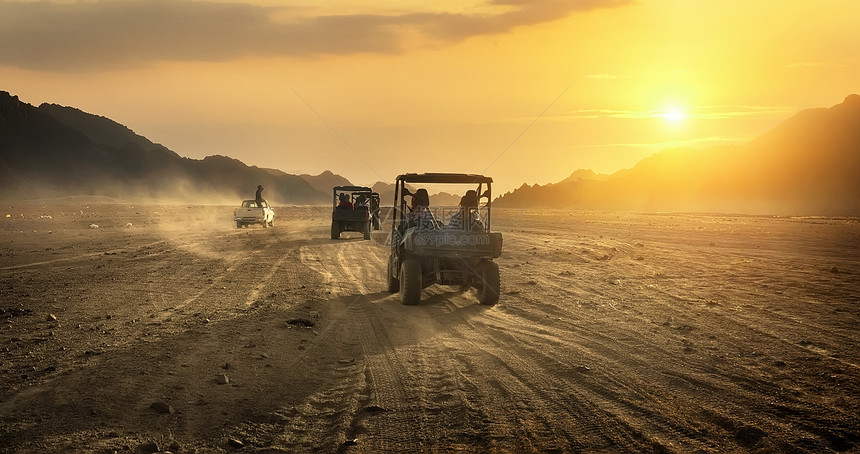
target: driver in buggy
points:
(343, 202)
(420, 215)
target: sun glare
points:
(674, 116)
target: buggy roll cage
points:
(400, 190)
(353, 190)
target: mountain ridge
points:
(325, 181)
(53, 151)
(807, 165)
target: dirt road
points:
(168, 328)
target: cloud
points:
(603, 76)
(87, 36)
(816, 64)
(702, 112)
(737, 111)
(698, 142)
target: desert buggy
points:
(443, 245)
(354, 209)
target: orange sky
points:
(524, 91)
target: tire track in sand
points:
(88, 255)
(556, 413)
(384, 423)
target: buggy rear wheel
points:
(488, 292)
(410, 282)
(335, 231)
(393, 282)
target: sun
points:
(674, 115)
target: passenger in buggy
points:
(468, 214)
(343, 202)
(362, 201)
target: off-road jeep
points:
(354, 215)
(451, 245)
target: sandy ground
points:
(168, 329)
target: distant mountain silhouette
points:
(807, 165)
(386, 192)
(53, 151)
(585, 174)
(325, 181)
(98, 129)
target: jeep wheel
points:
(375, 223)
(410, 282)
(488, 292)
(366, 230)
(238, 224)
(393, 282)
(335, 233)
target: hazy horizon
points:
(526, 92)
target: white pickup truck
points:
(251, 213)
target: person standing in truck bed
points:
(259, 196)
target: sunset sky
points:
(524, 91)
